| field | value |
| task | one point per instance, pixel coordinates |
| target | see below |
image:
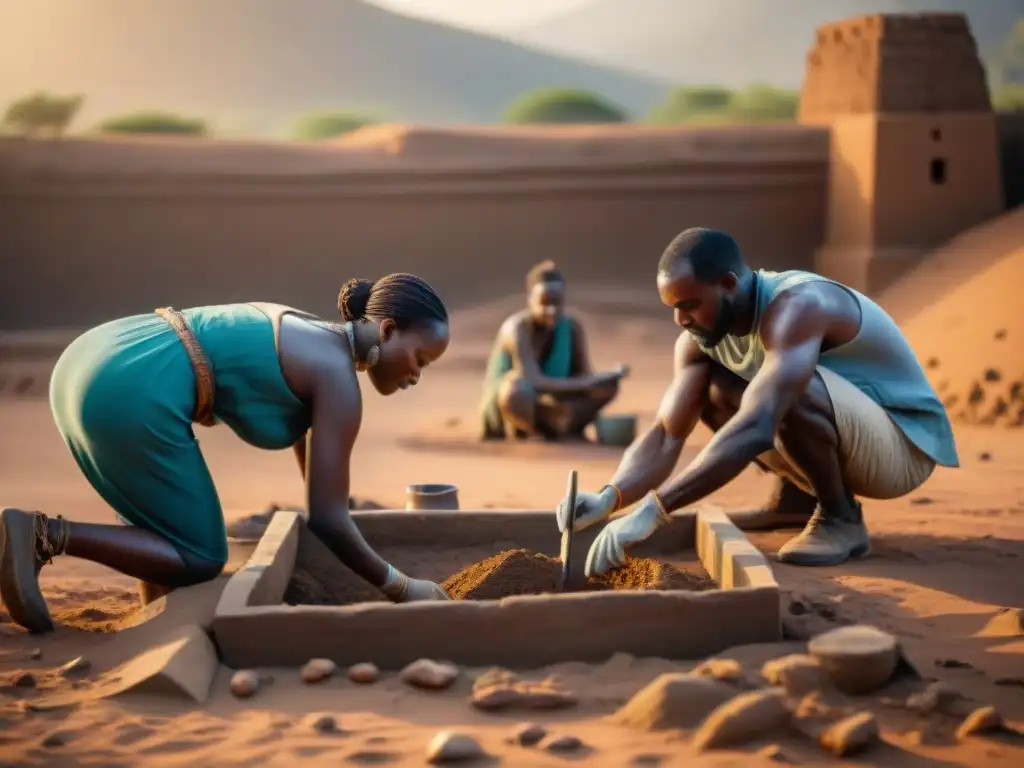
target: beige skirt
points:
(877, 460)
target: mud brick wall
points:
(894, 63)
(1011, 153)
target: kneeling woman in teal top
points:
(125, 396)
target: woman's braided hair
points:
(404, 298)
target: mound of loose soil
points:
(320, 578)
(521, 572)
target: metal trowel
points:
(566, 519)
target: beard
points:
(723, 322)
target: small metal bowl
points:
(619, 430)
(434, 497)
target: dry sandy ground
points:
(946, 559)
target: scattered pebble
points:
(798, 673)
(850, 735)
(743, 718)
(34, 654)
(363, 673)
(560, 743)
(24, 680)
(429, 674)
(1000, 334)
(726, 670)
(952, 664)
(451, 746)
(982, 720)
(325, 724)
(78, 666)
(244, 683)
(317, 670)
(984, 456)
(922, 500)
(527, 734)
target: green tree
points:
(552, 106)
(1008, 98)
(1006, 65)
(762, 103)
(326, 124)
(41, 113)
(154, 122)
(692, 103)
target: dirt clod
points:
(673, 701)
(744, 718)
(560, 743)
(850, 735)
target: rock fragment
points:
(858, 659)
(363, 673)
(317, 670)
(451, 746)
(527, 734)
(850, 735)
(429, 674)
(244, 683)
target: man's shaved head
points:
(710, 255)
(698, 277)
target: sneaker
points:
(828, 539)
(21, 534)
(788, 507)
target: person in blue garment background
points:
(539, 380)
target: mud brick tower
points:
(914, 150)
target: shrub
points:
(327, 124)
(154, 122)
(41, 113)
(554, 106)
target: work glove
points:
(590, 508)
(401, 589)
(609, 548)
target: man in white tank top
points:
(749, 364)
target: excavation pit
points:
(695, 587)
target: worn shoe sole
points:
(19, 579)
(815, 559)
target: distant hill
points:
(252, 66)
(732, 42)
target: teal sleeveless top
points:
(557, 364)
(878, 361)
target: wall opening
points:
(937, 171)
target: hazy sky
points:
(493, 15)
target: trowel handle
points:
(570, 498)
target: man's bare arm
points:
(793, 329)
(649, 461)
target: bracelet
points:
(661, 506)
(618, 496)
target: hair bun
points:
(353, 298)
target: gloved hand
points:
(609, 548)
(590, 508)
(401, 589)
